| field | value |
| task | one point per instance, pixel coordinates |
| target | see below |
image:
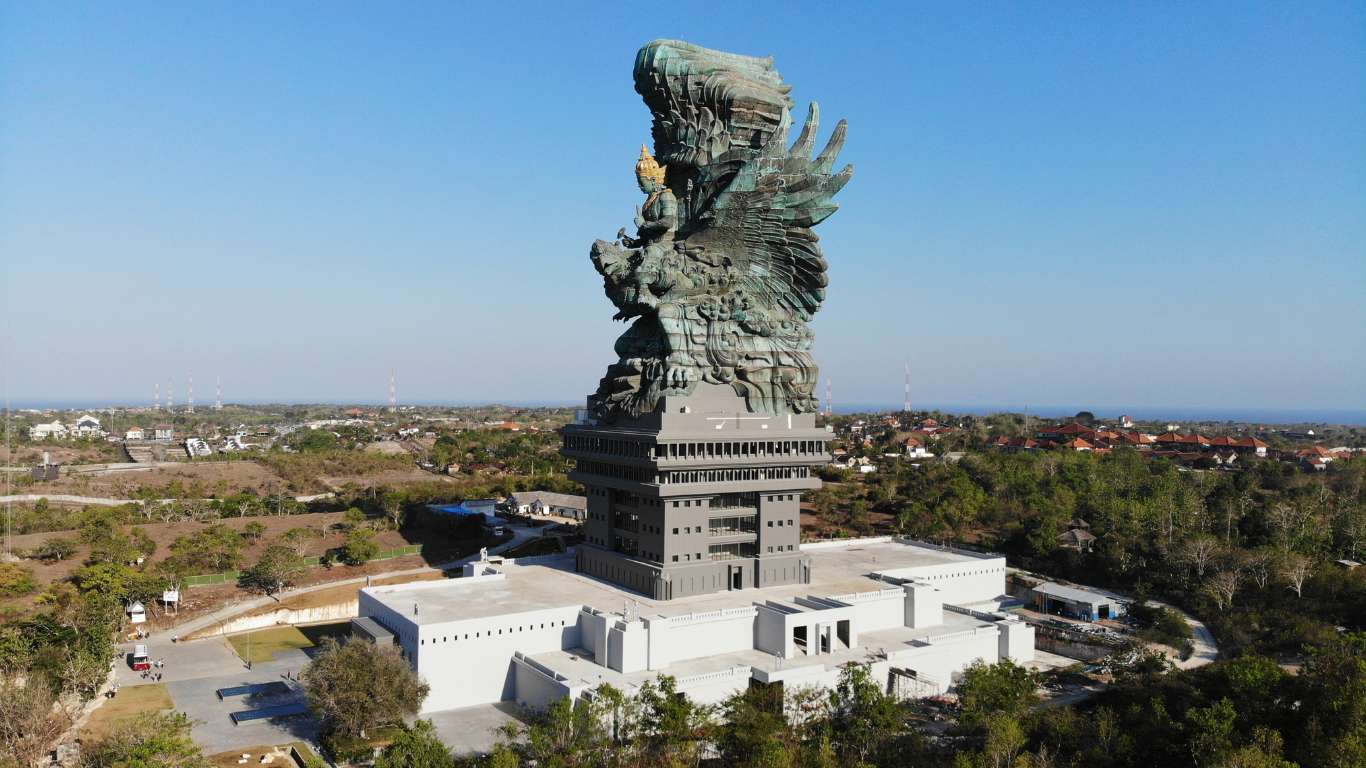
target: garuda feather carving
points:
(724, 271)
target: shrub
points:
(15, 580)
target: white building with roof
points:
(535, 630)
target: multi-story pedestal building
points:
(697, 497)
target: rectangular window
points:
(687, 557)
(675, 531)
(789, 522)
(770, 550)
(675, 558)
(770, 523)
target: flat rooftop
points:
(577, 664)
(835, 570)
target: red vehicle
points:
(139, 660)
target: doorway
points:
(737, 579)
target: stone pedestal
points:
(697, 497)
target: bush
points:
(360, 547)
(1162, 625)
(15, 580)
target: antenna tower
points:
(191, 408)
(218, 392)
(156, 399)
(9, 460)
(906, 406)
(827, 396)
(170, 406)
(392, 402)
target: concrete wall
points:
(471, 662)
(972, 581)
(695, 636)
(281, 615)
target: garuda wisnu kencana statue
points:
(724, 271)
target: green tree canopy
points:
(360, 685)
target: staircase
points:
(140, 454)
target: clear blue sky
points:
(1090, 204)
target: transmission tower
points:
(156, 399)
(191, 408)
(828, 411)
(170, 406)
(393, 403)
(218, 393)
(906, 406)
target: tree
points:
(361, 685)
(278, 567)
(1002, 688)
(1297, 569)
(393, 506)
(865, 717)
(57, 548)
(254, 530)
(315, 441)
(159, 739)
(416, 747)
(353, 518)
(15, 580)
(298, 539)
(1222, 587)
(1198, 552)
(28, 722)
(360, 547)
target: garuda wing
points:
(747, 201)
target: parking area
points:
(198, 698)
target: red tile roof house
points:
(1071, 430)
(1078, 445)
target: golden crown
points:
(647, 168)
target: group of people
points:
(152, 674)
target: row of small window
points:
(531, 627)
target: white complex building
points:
(536, 630)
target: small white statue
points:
(483, 553)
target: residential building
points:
(547, 503)
(133, 434)
(163, 432)
(55, 430)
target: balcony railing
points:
(730, 526)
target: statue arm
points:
(666, 222)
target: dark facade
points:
(697, 497)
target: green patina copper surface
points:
(724, 271)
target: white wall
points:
(689, 637)
(960, 583)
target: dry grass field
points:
(130, 701)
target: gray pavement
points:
(216, 733)
(470, 729)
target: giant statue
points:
(724, 271)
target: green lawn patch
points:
(265, 643)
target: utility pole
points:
(191, 408)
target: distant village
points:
(1185, 447)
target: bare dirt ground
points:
(203, 600)
(64, 454)
(198, 481)
(165, 533)
(382, 478)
